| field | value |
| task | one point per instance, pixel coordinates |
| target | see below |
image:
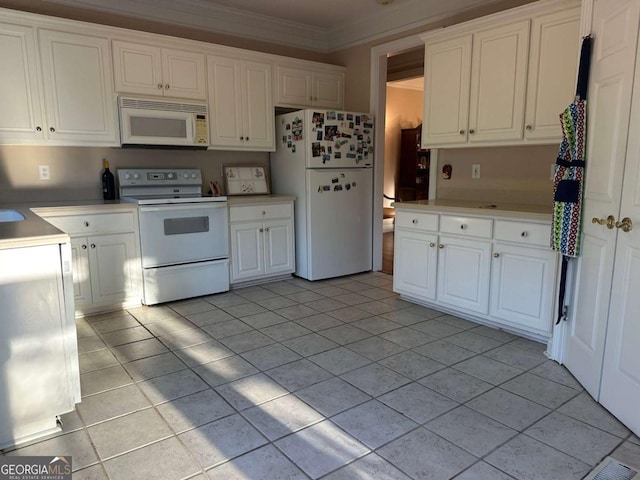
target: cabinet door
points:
(184, 74)
(20, 114)
(552, 72)
(414, 264)
(523, 284)
(247, 251)
(225, 101)
(293, 87)
(447, 71)
(137, 68)
(112, 261)
(78, 88)
(81, 277)
(279, 252)
(463, 273)
(498, 83)
(328, 90)
(259, 116)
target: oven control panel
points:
(159, 176)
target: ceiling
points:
(416, 83)
(320, 25)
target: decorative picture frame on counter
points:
(246, 180)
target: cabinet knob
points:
(247, 139)
(528, 128)
(463, 227)
(432, 244)
(441, 246)
(414, 221)
(93, 245)
(266, 229)
(524, 234)
(84, 247)
(38, 129)
(52, 129)
(471, 131)
(261, 230)
(159, 86)
(461, 132)
(496, 255)
(86, 224)
(311, 99)
(166, 86)
(241, 138)
(263, 212)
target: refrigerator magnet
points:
(293, 149)
(326, 158)
(337, 188)
(329, 150)
(335, 180)
(353, 184)
(330, 132)
(340, 116)
(342, 175)
(326, 188)
(316, 151)
(349, 116)
(319, 135)
(351, 155)
(319, 188)
(348, 186)
(337, 155)
(331, 115)
(318, 119)
(288, 126)
(296, 128)
(357, 119)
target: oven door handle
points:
(183, 206)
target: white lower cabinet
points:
(523, 283)
(262, 241)
(500, 272)
(463, 273)
(105, 258)
(415, 260)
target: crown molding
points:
(203, 15)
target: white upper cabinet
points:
(498, 82)
(447, 76)
(240, 104)
(78, 92)
(20, 114)
(553, 64)
(304, 86)
(148, 70)
(501, 79)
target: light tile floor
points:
(336, 379)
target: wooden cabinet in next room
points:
(413, 167)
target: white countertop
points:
(34, 230)
(512, 210)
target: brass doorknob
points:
(625, 224)
(496, 255)
(610, 221)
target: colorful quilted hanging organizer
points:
(569, 175)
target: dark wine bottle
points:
(108, 183)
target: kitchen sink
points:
(10, 216)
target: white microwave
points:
(163, 123)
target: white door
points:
(415, 259)
(20, 114)
(247, 251)
(522, 280)
(184, 74)
(278, 247)
(111, 262)
(498, 83)
(81, 277)
(463, 273)
(78, 88)
(225, 101)
(339, 221)
(259, 116)
(553, 65)
(620, 388)
(447, 67)
(615, 31)
(294, 87)
(137, 68)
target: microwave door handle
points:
(193, 128)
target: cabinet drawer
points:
(94, 223)
(523, 232)
(417, 221)
(474, 227)
(260, 212)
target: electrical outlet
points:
(553, 171)
(44, 172)
(475, 170)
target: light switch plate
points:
(475, 170)
(43, 172)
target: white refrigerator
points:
(325, 158)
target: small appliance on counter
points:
(184, 236)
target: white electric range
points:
(184, 236)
